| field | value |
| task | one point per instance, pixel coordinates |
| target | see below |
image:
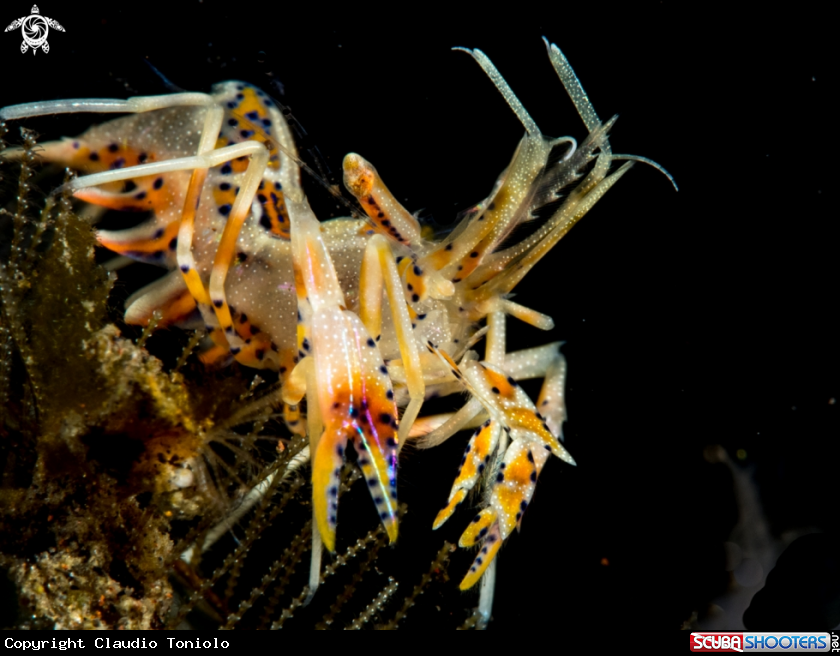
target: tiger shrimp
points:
(363, 318)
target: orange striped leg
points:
(379, 270)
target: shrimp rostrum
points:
(363, 318)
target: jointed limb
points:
(380, 270)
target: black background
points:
(699, 318)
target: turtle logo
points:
(35, 29)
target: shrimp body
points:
(363, 316)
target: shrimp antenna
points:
(650, 162)
(169, 84)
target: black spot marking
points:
(474, 254)
(340, 451)
(173, 243)
(305, 344)
(218, 303)
(415, 297)
(383, 369)
(225, 186)
(259, 354)
(232, 122)
(158, 183)
(533, 477)
(495, 390)
(391, 442)
(476, 519)
(140, 196)
(390, 394)
(226, 169)
(523, 504)
(500, 477)
(372, 482)
(370, 342)
(94, 157)
(185, 268)
(530, 456)
(385, 418)
(224, 210)
(417, 271)
(235, 349)
(448, 247)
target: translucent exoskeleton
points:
(364, 318)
